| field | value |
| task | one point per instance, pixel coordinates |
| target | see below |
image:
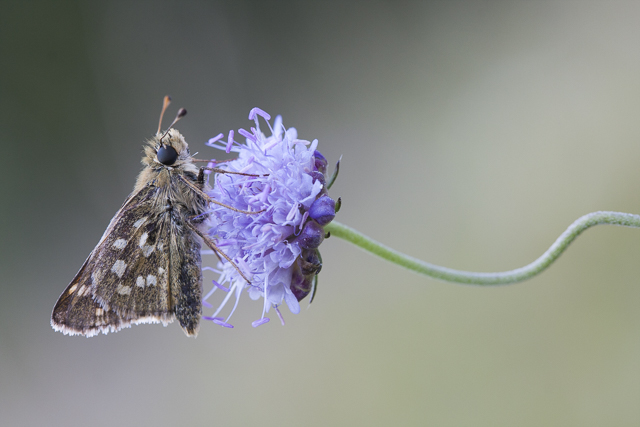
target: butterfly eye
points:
(167, 155)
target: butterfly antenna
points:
(165, 104)
(181, 113)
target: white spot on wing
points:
(96, 276)
(118, 267)
(160, 271)
(146, 250)
(160, 247)
(73, 288)
(123, 290)
(120, 244)
(143, 239)
(81, 290)
(140, 282)
(139, 222)
(151, 280)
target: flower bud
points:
(323, 210)
(311, 237)
(318, 176)
(321, 162)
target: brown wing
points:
(125, 279)
(76, 313)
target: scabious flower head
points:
(276, 249)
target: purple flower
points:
(277, 249)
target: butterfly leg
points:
(205, 196)
(220, 170)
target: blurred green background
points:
(472, 134)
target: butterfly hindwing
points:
(186, 276)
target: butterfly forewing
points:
(126, 275)
(76, 313)
(131, 267)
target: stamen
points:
(224, 288)
(265, 305)
(257, 111)
(247, 167)
(214, 140)
(224, 302)
(243, 265)
(259, 322)
(209, 165)
(278, 128)
(275, 307)
(304, 219)
(247, 135)
(265, 228)
(292, 212)
(206, 297)
(218, 321)
(238, 291)
(229, 142)
(265, 193)
(270, 145)
(227, 242)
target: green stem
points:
(473, 278)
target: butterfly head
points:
(169, 149)
(165, 154)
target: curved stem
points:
(473, 278)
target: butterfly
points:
(146, 267)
